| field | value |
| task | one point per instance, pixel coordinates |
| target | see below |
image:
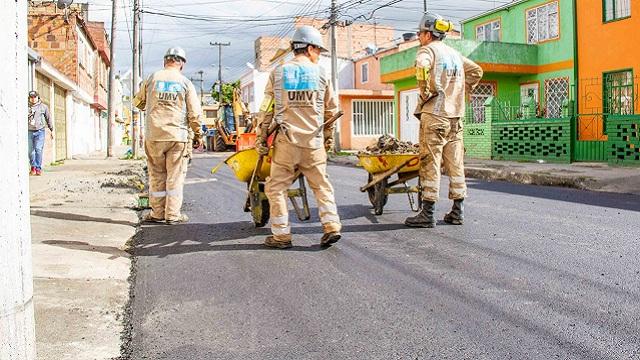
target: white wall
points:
(17, 331)
(82, 133)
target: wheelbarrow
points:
(243, 164)
(381, 169)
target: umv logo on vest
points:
(301, 98)
(301, 84)
(168, 90)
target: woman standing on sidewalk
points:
(39, 116)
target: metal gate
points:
(60, 116)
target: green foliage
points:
(227, 92)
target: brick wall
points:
(352, 39)
(54, 39)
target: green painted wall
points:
(513, 24)
(482, 52)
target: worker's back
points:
(303, 95)
(449, 73)
(170, 98)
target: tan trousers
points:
(312, 163)
(441, 141)
(167, 165)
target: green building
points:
(523, 108)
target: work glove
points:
(261, 146)
(329, 144)
(197, 142)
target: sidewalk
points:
(584, 176)
(81, 219)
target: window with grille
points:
(365, 73)
(543, 23)
(556, 92)
(479, 96)
(372, 117)
(618, 93)
(616, 9)
(489, 31)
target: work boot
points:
(456, 215)
(38, 172)
(179, 220)
(272, 242)
(330, 238)
(424, 219)
(33, 171)
(150, 219)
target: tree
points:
(227, 92)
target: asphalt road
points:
(535, 273)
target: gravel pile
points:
(388, 144)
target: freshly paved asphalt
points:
(535, 273)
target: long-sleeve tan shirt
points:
(300, 95)
(172, 106)
(443, 77)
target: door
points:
(409, 124)
(60, 123)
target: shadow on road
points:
(163, 240)
(76, 217)
(602, 199)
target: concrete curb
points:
(506, 174)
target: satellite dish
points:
(63, 4)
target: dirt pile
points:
(388, 144)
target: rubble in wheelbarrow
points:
(388, 144)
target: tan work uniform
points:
(302, 99)
(173, 109)
(443, 77)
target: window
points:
(543, 23)
(556, 92)
(480, 94)
(365, 73)
(618, 93)
(372, 117)
(211, 114)
(616, 9)
(489, 31)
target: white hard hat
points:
(177, 52)
(308, 35)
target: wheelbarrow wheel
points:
(259, 208)
(372, 192)
(380, 197)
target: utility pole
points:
(334, 63)
(112, 81)
(135, 125)
(424, 3)
(17, 330)
(219, 45)
(141, 117)
(201, 81)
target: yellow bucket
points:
(243, 162)
(374, 164)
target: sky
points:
(193, 24)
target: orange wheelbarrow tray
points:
(243, 164)
(381, 168)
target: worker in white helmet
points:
(299, 97)
(173, 111)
